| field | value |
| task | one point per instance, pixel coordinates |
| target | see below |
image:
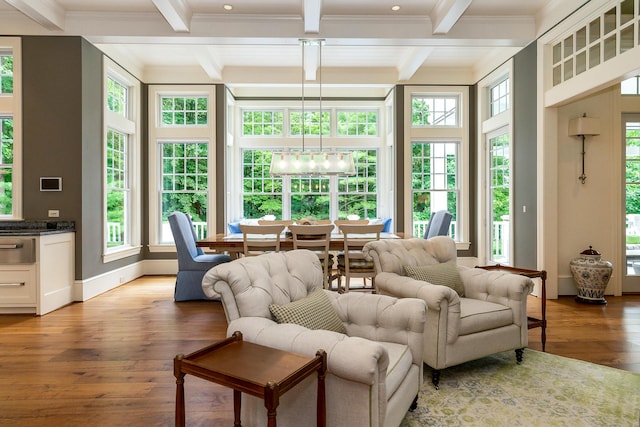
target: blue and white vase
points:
(591, 275)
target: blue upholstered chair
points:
(193, 263)
(438, 224)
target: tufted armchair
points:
(374, 369)
(491, 316)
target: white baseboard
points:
(93, 286)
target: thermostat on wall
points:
(50, 183)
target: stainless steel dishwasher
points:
(17, 273)
(17, 250)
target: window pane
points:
(6, 166)
(357, 123)
(261, 192)
(184, 111)
(6, 73)
(358, 194)
(311, 123)
(117, 188)
(499, 170)
(500, 97)
(433, 181)
(117, 97)
(262, 123)
(434, 111)
(185, 182)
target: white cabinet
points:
(42, 286)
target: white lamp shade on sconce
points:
(586, 126)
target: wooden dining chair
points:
(258, 239)
(351, 262)
(339, 222)
(315, 238)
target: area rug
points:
(545, 390)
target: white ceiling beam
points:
(47, 13)
(446, 13)
(312, 10)
(412, 61)
(177, 13)
(205, 56)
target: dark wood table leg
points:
(177, 372)
(271, 401)
(321, 404)
(237, 404)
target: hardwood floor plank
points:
(109, 361)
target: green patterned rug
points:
(545, 390)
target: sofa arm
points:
(406, 287)
(499, 287)
(383, 318)
(352, 358)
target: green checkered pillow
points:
(445, 274)
(314, 312)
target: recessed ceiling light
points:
(395, 8)
(227, 7)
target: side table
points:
(250, 368)
(532, 322)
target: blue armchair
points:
(193, 263)
(438, 224)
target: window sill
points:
(121, 253)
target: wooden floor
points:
(109, 361)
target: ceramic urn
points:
(591, 274)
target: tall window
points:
(437, 159)
(434, 184)
(181, 153)
(10, 129)
(121, 172)
(500, 196)
(184, 164)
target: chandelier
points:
(312, 162)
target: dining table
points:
(233, 243)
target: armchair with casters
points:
(193, 263)
(489, 318)
(374, 369)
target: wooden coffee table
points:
(250, 368)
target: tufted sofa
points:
(374, 370)
(490, 318)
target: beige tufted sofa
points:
(374, 371)
(490, 318)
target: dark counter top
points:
(35, 228)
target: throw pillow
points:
(445, 274)
(313, 311)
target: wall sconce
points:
(584, 126)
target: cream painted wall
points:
(590, 213)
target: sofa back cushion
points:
(391, 255)
(248, 286)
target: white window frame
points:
(159, 133)
(129, 126)
(487, 126)
(458, 133)
(11, 106)
(332, 141)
